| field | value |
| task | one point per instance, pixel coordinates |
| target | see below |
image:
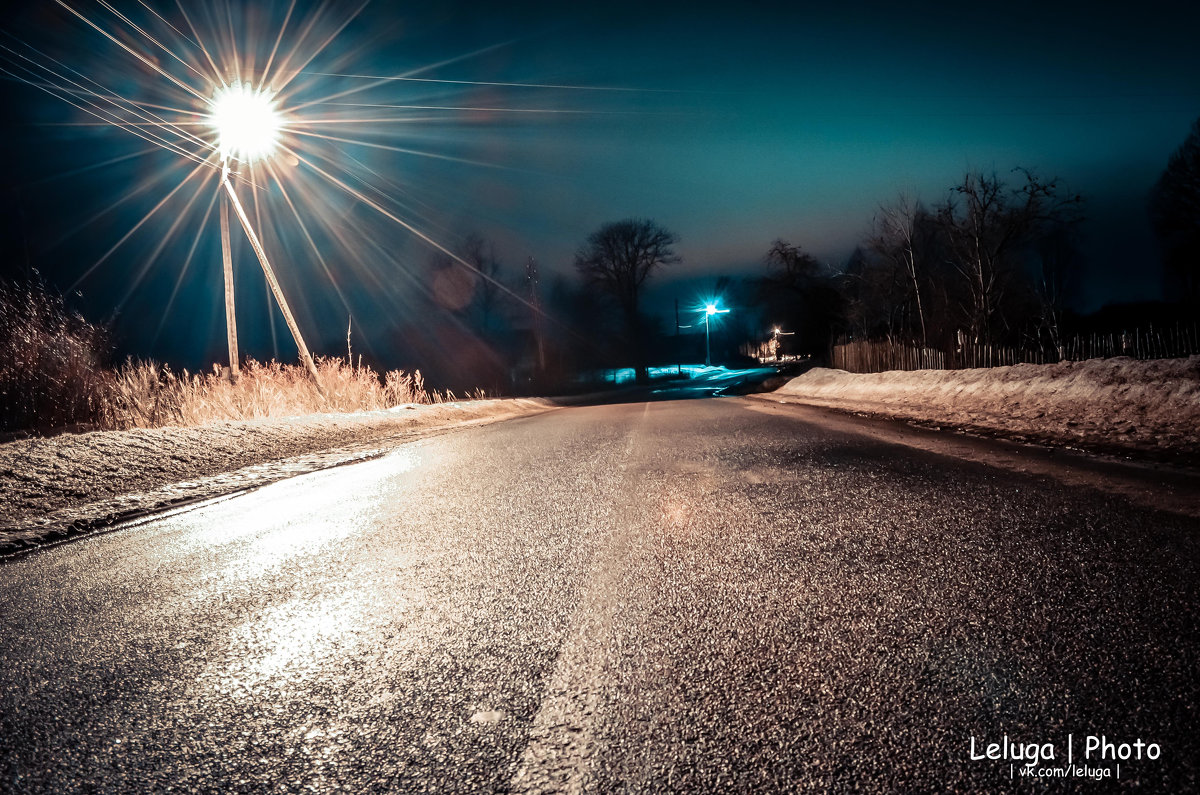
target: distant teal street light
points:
(709, 311)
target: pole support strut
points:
(305, 356)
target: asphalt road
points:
(699, 596)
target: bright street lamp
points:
(247, 122)
(709, 311)
(248, 125)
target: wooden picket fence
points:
(1161, 343)
(875, 356)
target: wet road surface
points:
(696, 596)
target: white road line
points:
(560, 752)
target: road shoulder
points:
(65, 486)
(1150, 484)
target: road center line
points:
(561, 739)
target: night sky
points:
(730, 125)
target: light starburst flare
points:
(244, 98)
(247, 121)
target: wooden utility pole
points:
(305, 356)
(230, 316)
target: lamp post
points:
(776, 334)
(247, 124)
(709, 311)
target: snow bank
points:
(54, 487)
(1116, 404)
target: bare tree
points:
(791, 265)
(1175, 213)
(896, 239)
(876, 295)
(988, 231)
(480, 254)
(618, 258)
(801, 292)
(1058, 265)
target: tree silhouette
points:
(618, 258)
(1059, 264)
(1175, 214)
(481, 255)
(988, 228)
(898, 239)
(801, 293)
(791, 266)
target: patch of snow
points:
(1111, 404)
(625, 375)
(53, 487)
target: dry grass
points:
(146, 395)
(51, 361)
(53, 375)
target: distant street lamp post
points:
(776, 334)
(709, 311)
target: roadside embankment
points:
(1121, 405)
(55, 487)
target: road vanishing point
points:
(722, 595)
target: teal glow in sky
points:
(799, 124)
(729, 125)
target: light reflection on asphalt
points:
(600, 599)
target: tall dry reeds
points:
(145, 394)
(53, 374)
(52, 361)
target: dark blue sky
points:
(743, 123)
(804, 121)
